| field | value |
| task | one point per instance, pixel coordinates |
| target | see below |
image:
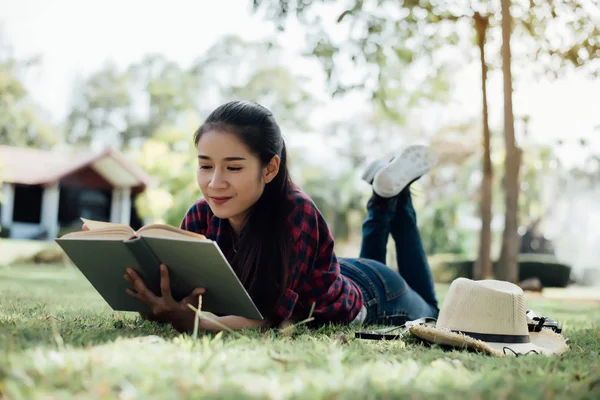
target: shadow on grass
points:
(80, 331)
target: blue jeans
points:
(391, 297)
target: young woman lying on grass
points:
(279, 244)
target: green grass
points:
(59, 340)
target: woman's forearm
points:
(232, 322)
(185, 323)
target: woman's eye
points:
(204, 167)
(234, 168)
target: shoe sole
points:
(371, 170)
(412, 163)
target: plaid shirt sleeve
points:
(197, 218)
(315, 276)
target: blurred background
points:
(99, 101)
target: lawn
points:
(59, 340)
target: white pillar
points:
(115, 206)
(8, 203)
(125, 206)
(49, 217)
(120, 208)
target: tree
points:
(450, 190)
(483, 265)
(123, 108)
(381, 28)
(231, 69)
(166, 92)
(118, 108)
(22, 121)
(334, 188)
(560, 35)
(510, 239)
(100, 108)
(388, 59)
(555, 53)
(169, 159)
(234, 69)
(395, 44)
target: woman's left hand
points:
(165, 307)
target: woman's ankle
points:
(382, 203)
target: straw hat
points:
(489, 316)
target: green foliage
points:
(280, 91)
(100, 106)
(170, 158)
(152, 108)
(109, 106)
(58, 339)
(334, 183)
(382, 41)
(21, 120)
(536, 167)
(171, 92)
(564, 34)
(554, 35)
(1, 195)
(386, 49)
(4, 231)
(439, 233)
(336, 197)
(256, 71)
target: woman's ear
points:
(272, 169)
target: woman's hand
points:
(164, 308)
(148, 316)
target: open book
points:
(104, 252)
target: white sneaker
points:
(414, 162)
(375, 166)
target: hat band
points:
(487, 337)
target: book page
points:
(163, 230)
(93, 225)
(108, 230)
(109, 233)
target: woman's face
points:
(230, 177)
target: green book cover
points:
(103, 254)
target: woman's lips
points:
(220, 200)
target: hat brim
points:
(544, 342)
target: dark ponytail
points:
(264, 247)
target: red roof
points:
(39, 167)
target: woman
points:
(278, 242)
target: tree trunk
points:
(508, 265)
(483, 265)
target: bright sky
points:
(75, 38)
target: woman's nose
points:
(217, 180)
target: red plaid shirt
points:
(315, 276)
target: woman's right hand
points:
(149, 316)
